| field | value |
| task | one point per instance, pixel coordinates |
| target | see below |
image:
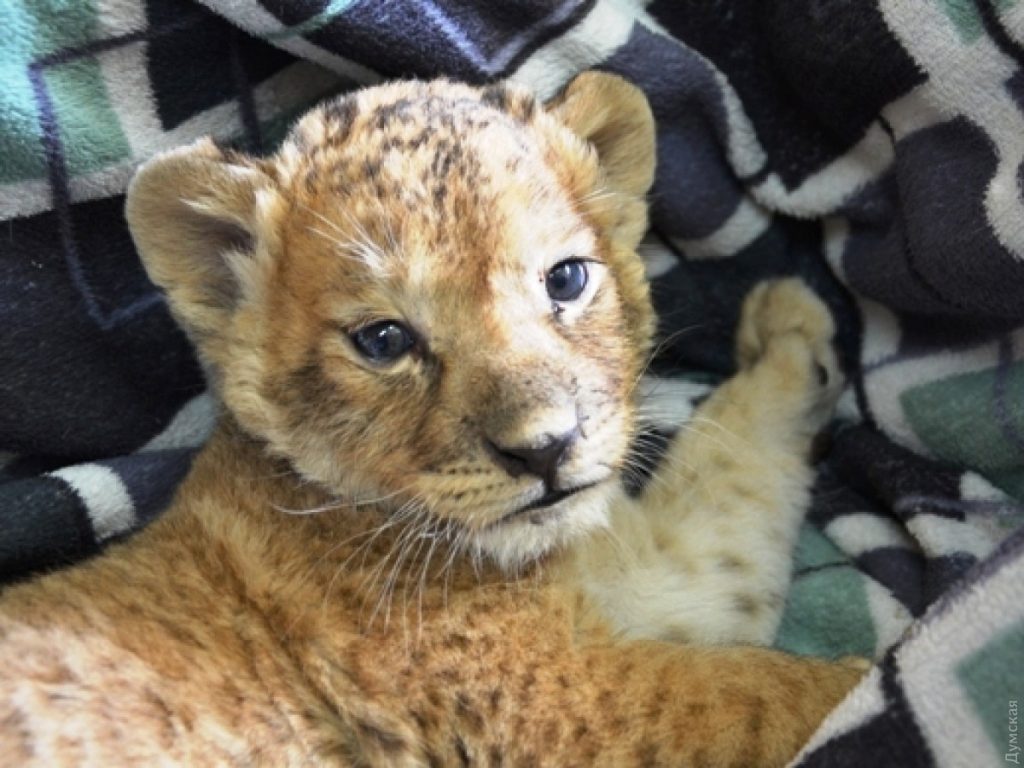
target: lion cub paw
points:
(779, 307)
(788, 315)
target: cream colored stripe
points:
(106, 498)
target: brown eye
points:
(566, 280)
(383, 342)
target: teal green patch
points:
(965, 17)
(58, 24)
(1004, 5)
(334, 9)
(992, 677)
(957, 419)
(827, 612)
(1011, 482)
(21, 146)
(32, 30)
(814, 550)
(89, 129)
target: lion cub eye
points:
(383, 342)
(566, 280)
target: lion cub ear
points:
(614, 116)
(194, 215)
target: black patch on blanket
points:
(92, 363)
(51, 527)
(891, 739)
(185, 47)
(811, 75)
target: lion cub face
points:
(429, 296)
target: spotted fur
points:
(350, 575)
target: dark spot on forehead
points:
(341, 113)
(495, 95)
(518, 104)
(526, 106)
(335, 117)
(397, 110)
(443, 158)
(440, 192)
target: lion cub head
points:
(429, 296)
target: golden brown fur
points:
(414, 614)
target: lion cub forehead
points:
(414, 110)
(427, 180)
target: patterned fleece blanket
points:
(875, 148)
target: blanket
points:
(874, 148)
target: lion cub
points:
(425, 317)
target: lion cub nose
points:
(541, 459)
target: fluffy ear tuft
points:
(613, 115)
(192, 214)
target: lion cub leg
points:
(704, 555)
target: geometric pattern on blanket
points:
(93, 368)
(875, 149)
(950, 694)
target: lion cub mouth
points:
(550, 498)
